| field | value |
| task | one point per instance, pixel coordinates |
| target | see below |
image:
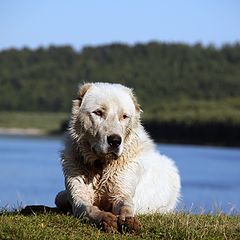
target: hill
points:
(176, 84)
(46, 79)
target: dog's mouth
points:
(108, 155)
(111, 155)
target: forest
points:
(179, 84)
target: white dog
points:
(111, 167)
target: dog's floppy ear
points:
(134, 99)
(83, 89)
(81, 92)
(137, 105)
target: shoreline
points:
(22, 132)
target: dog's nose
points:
(114, 140)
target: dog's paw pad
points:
(130, 224)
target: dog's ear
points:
(134, 99)
(81, 92)
(137, 105)
(83, 89)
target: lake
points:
(30, 173)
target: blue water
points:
(30, 173)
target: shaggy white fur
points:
(110, 164)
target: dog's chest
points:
(104, 187)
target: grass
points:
(197, 112)
(45, 121)
(171, 226)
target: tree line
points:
(46, 79)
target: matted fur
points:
(128, 179)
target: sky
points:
(29, 23)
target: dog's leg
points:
(106, 220)
(62, 202)
(81, 197)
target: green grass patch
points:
(170, 226)
(225, 111)
(45, 121)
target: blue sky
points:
(95, 22)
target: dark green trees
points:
(46, 79)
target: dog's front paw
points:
(108, 222)
(129, 224)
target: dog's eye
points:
(125, 116)
(98, 113)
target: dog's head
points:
(104, 115)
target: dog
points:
(111, 167)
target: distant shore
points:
(22, 131)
